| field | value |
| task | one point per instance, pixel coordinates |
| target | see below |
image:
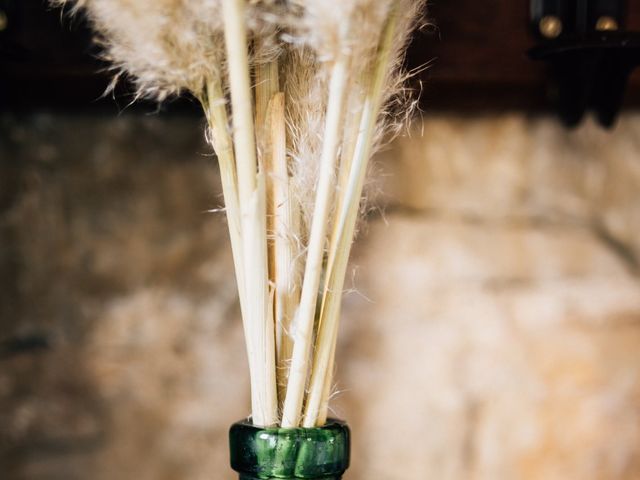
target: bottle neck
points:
(249, 477)
(320, 453)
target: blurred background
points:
(491, 328)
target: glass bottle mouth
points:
(290, 453)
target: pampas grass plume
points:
(298, 95)
(165, 47)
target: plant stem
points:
(281, 227)
(251, 192)
(351, 131)
(241, 98)
(216, 112)
(304, 320)
(345, 228)
(284, 251)
(328, 379)
(267, 85)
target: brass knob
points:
(4, 21)
(606, 24)
(550, 26)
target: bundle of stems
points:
(298, 94)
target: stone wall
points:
(490, 330)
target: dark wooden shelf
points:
(479, 57)
(476, 51)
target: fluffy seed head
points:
(164, 46)
(341, 27)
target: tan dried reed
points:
(297, 97)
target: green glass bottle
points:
(320, 453)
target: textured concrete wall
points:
(491, 329)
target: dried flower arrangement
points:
(298, 94)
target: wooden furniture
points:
(476, 52)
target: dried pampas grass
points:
(165, 47)
(298, 95)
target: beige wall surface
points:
(491, 327)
